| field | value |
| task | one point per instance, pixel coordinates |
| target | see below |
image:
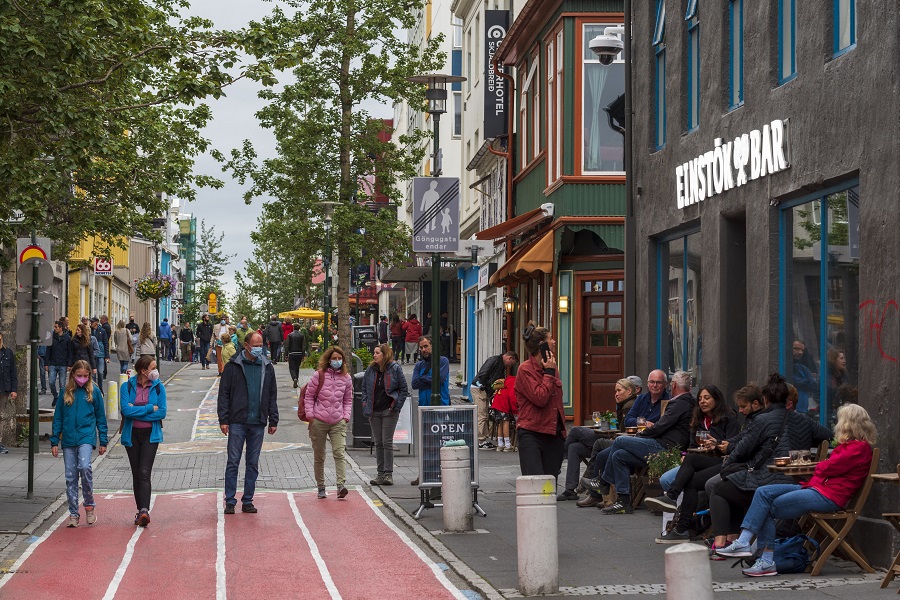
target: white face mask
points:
(153, 375)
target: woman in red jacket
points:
(832, 485)
(541, 428)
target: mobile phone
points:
(544, 347)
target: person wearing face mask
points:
(204, 335)
(248, 401)
(78, 421)
(329, 400)
(142, 401)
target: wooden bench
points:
(45, 415)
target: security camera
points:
(607, 47)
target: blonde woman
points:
(147, 341)
(78, 420)
(226, 351)
(833, 483)
(124, 349)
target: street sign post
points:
(213, 303)
(435, 214)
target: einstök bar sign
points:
(732, 164)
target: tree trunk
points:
(348, 188)
(8, 328)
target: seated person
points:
(627, 453)
(833, 483)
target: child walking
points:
(504, 408)
(77, 421)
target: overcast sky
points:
(234, 121)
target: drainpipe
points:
(630, 308)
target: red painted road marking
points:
(80, 562)
(366, 558)
(175, 557)
(266, 555)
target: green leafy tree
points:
(245, 306)
(328, 146)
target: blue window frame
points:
(678, 324)
(787, 55)
(659, 92)
(693, 66)
(736, 53)
(844, 26)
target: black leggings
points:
(695, 471)
(727, 507)
(141, 455)
(540, 453)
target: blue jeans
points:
(123, 366)
(77, 460)
(57, 373)
(666, 479)
(627, 454)
(781, 501)
(238, 435)
(42, 362)
(579, 443)
(101, 372)
(204, 348)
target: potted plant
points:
(459, 379)
(154, 286)
(657, 464)
(606, 420)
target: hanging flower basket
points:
(153, 287)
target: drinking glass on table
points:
(641, 423)
(596, 417)
(701, 436)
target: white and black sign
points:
(439, 424)
(435, 214)
(496, 91)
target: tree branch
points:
(111, 70)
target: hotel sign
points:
(732, 164)
(496, 24)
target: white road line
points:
(31, 548)
(126, 559)
(197, 418)
(438, 572)
(221, 592)
(314, 549)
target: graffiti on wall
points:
(874, 320)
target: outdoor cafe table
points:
(795, 470)
(893, 519)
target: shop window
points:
(693, 66)
(787, 58)
(659, 79)
(844, 25)
(603, 109)
(821, 308)
(679, 339)
(735, 53)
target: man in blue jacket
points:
(421, 379)
(248, 400)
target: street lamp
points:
(158, 224)
(602, 48)
(436, 94)
(328, 209)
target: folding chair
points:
(836, 537)
(894, 569)
(822, 452)
(638, 493)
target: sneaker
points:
(295, 383)
(512, 448)
(596, 484)
(248, 507)
(618, 508)
(713, 555)
(3, 449)
(761, 568)
(229, 509)
(735, 549)
(673, 537)
(342, 492)
(414, 481)
(567, 495)
(662, 503)
(143, 518)
(589, 501)
(73, 521)
(137, 518)
(379, 480)
(321, 494)
(91, 515)
(501, 449)
(388, 479)
(486, 445)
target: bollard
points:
(688, 575)
(456, 488)
(536, 535)
(112, 399)
(123, 377)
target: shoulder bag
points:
(301, 404)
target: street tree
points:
(211, 261)
(329, 148)
(245, 306)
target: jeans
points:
(164, 345)
(627, 454)
(238, 435)
(57, 373)
(42, 362)
(275, 349)
(204, 348)
(384, 422)
(294, 362)
(123, 366)
(101, 372)
(77, 460)
(781, 501)
(667, 478)
(141, 455)
(540, 453)
(337, 435)
(578, 445)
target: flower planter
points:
(652, 487)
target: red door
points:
(601, 303)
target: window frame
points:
(457, 102)
(693, 74)
(552, 107)
(735, 54)
(581, 41)
(662, 296)
(783, 45)
(838, 20)
(659, 84)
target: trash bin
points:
(360, 430)
(365, 336)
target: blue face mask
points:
(256, 351)
(336, 364)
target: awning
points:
(415, 273)
(516, 225)
(535, 258)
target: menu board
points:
(439, 424)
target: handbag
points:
(301, 405)
(731, 469)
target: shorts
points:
(499, 415)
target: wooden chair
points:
(833, 538)
(894, 569)
(638, 493)
(822, 452)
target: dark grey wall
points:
(844, 124)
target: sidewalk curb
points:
(461, 568)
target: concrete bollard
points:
(536, 535)
(688, 575)
(112, 399)
(456, 488)
(123, 377)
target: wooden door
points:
(602, 354)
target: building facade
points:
(765, 177)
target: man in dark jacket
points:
(673, 430)
(9, 382)
(57, 360)
(275, 337)
(482, 391)
(186, 338)
(383, 330)
(296, 350)
(248, 401)
(204, 334)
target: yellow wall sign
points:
(213, 303)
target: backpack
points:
(790, 555)
(301, 405)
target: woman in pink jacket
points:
(329, 400)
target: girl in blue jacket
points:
(78, 418)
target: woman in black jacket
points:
(81, 349)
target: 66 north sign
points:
(103, 266)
